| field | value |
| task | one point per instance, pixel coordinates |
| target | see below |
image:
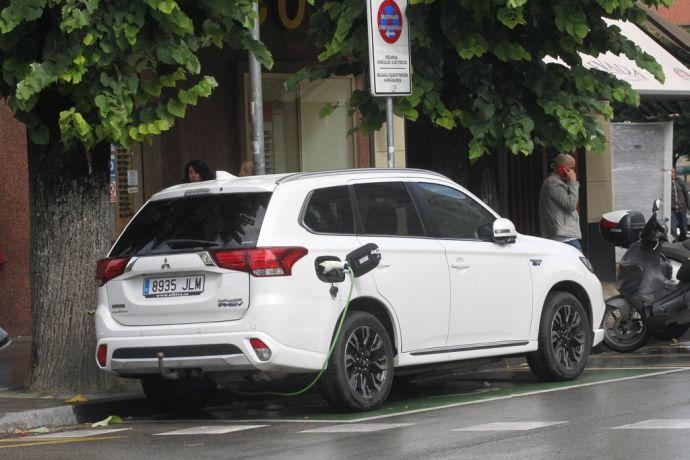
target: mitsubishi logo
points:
(165, 264)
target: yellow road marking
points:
(56, 441)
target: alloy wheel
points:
(568, 336)
(366, 364)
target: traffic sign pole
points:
(389, 58)
(389, 132)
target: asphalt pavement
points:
(634, 405)
(582, 422)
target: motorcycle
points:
(653, 281)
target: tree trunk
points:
(70, 231)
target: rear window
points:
(330, 211)
(224, 221)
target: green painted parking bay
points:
(500, 388)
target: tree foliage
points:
(90, 71)
(480, 65)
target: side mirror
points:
(504, 231)
(657, 205)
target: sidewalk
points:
(23, 410)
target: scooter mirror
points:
(657, 205)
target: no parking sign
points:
(389, 48)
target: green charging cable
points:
(336, 337)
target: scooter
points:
(654, 295)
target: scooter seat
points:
(680, 252)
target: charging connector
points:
(330, 265)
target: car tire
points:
(360, 370)
(565, 356)
(181, 396)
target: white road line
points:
(516, 395)
(508, 426)
(357, 428)
(77, 433)
(657, 424)
(223, 429)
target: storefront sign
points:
(132, 177)
(289, 20)
(389, 48)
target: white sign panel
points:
(389, 48)
(677, 83)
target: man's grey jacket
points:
(679, 195)
(558, 217)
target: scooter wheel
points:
(624, 335)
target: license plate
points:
(176, 286)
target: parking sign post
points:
(389, 57)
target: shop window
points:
(126, 192)
(296, 137)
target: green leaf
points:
(88, 39)
(81, 125)
(176, 108)
(327, 109)
(110, 420)
(511, 17)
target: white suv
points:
(222, 282)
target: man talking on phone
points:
(558, 217)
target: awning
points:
(677, 83)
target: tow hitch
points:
(165, 373)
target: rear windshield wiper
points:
(177, 244)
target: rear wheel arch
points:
(376, 308)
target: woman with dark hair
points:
(197, 171)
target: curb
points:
(72, 414)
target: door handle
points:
(460, 265)
(383, 264)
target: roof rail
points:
(306, 175)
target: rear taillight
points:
(607, 224)
(102, 354)
(109, 268)
(260, 261)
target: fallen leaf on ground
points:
(76, 399)
(40, 429)
(110, 420)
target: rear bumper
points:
(220, 352)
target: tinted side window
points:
(215, 221)
(455, 214)
(330, 211)
(387, 209)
